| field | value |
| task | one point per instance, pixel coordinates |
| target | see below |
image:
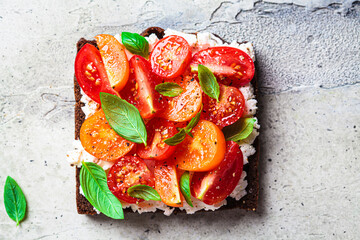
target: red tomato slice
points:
(158, 130)
(185, 106)
(167, 184)
(213, 187)
(228, 110)
(140, 89)
(232, 66)
(91, 74)
(127, 172)
(170, 56)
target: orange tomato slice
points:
(101, 141)
(202, 153)
(115, 60)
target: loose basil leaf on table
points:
(185, 187)
(124, 118)
(177, 138)
(93, 182)
(208, 82)
(14, 200)
(239, 130)
(169, 89)
(144, 192)
(135, 43)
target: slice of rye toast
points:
(248, 202)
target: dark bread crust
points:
(248, 202)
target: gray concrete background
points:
(308, 64)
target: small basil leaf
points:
(177, 138)
(144, 192)
(169, 89)
(185, 187)
(135, 43)
(124, 118)
(208, 82)
(239, 130)
(194, 121)
(14, 200)
(93, 182)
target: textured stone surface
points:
(308, 60)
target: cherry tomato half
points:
(170, 56)
(101, 141)
(228, 110)
(232, 66)
(128, 171)
(158, 130)
(213, 187)
(91, 74)
(140, 89)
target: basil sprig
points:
(169, 89)
(180, 136)
(239, 130)
(93, 182)
(208, 82)
(124, 118)
(185, 187)
(135, 43)
(144, 192)
(14, 200)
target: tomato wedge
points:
(140, 89)
(158, 130)
(202, 153)
(213, 187)
(101, 141)
(185, 106)
(170, 56)
(232, 66)
(228, 110)
(128, 171)
(115, 60)
(167, 184)
(91, 74)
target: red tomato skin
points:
(158, 130)
(91, 74)
(126, 172)
(222, 180)
(140, 88)
(170, 56)
(228, 110)
(232, 66)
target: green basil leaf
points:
(144, 192)
(176, 139)
(124, 118)
(14, 200)
(239, 130)
(208, 82)
(169, 89)
(193, 122)
(185, 187)
(93, 182)
(135, 43)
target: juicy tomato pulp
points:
(204, 152)
(167, 184)
(213, 187)
(158, 130)
(185, 106)
(140, 89)
(115, 60)
(127, 172)
(170, 56)
(90, 73)
(232, 66)
(228, 110)
(101, 141)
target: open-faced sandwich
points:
(164, 120)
